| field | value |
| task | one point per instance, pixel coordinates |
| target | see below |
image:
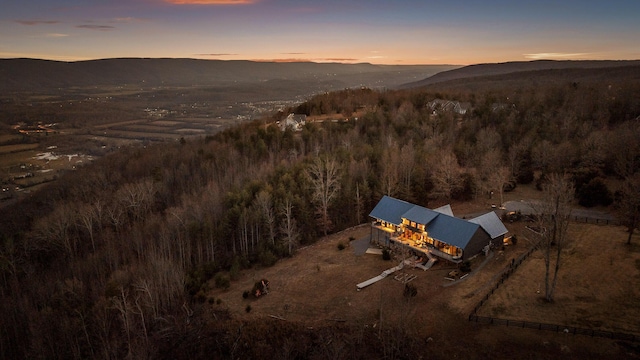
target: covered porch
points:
(426, 245)
(392, 235)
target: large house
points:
(436, 232)
(439, 105)
(293, 121)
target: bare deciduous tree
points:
(137, 198)
(408, 160)
(90, 216)
(324, 177)
(553, 217)
(52, 232)
(391, 167)
(493, 174)
(515, 156)
(626, 149)
(264, 203)
(628, 204)
(446, 174)
(288, 227)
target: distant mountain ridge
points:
(26, 75)
(482, 70)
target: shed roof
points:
(491, 223)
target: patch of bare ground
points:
(316, 289)
(598, 285)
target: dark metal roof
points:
(420, 215)
(390, 210)
(439, 225)
(451, 230)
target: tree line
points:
(115, 255)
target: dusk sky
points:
(382, 32)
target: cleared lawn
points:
(317, 287)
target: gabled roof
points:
(451, 230)
(441, 224)
(420, 215)
(491, 223)
(390, 210)
(446, 209)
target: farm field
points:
(8, 149)
(93, 122)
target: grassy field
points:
(598, 285)
(599, 288)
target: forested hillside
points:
(114, 259)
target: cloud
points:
(56, 35)
(129, 19)
(37, 22)
(96, 27)
(540, 56)
(211, 2)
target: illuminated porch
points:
(415, 239)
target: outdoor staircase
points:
(429, 264)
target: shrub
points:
(267, 258)
(234, 271)
(212, 300)
(509, 185)
(525, 175)
(222, 281)
(465, 267)
(245, 294)
(594, 193)
(341, 246)
(410, 290)
(248, 309)
(351, 238)
(197, 278)
(541, 181)
(200, 297)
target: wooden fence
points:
(506, 272)
(588, 220)
(552, 327)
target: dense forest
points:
(113, 260)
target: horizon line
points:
(284, 61)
